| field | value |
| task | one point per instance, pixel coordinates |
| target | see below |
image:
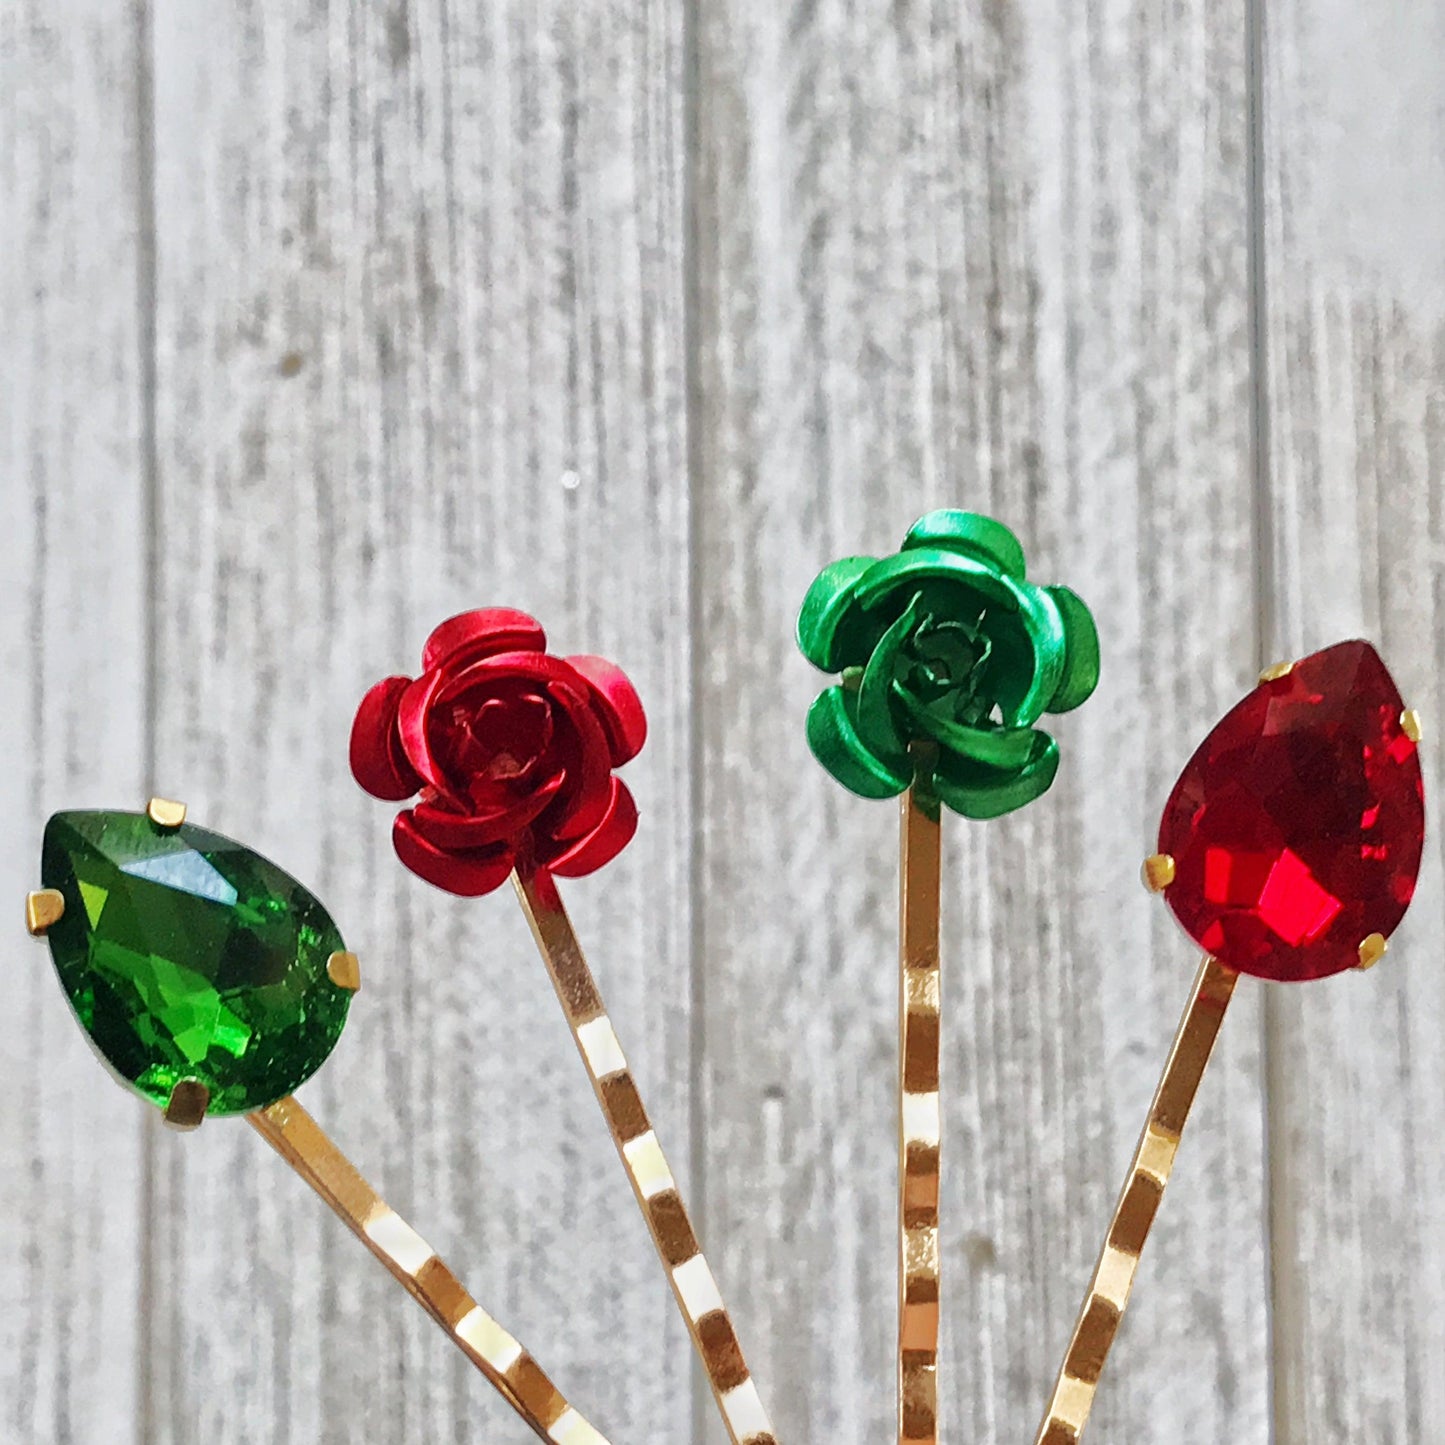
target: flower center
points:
(501, 742)
(944, 666)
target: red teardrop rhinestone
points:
(1296, 828)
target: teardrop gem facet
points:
(1296, 829)
(187, 956)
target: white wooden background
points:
(321, 321)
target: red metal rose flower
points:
(510, 749)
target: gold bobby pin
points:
(946, 658)
(509, 754)
(919, 1124)
(1108, 1293)
(211, 982)
(693, 1284)
(1289, 849)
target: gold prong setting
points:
(344, 970)
(207, 927)
(1158, 872)
(42, 909)
(187, 1106)
(1276, 671)
(1411, 725)
(166, 813)
(1372, 950)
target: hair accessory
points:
(948, 657)
(944, 647)
(213, 983)
(511, 751)
(1289, 849)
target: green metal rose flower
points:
(945, 644)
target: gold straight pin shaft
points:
(1108, 1294)
(652, 1181)
(299, 1140)
(919, 1118)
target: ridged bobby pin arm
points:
(300, 1141)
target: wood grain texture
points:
(419, 339)
(991, 256)
(72, 656)
(1354, 209)
(635, 316)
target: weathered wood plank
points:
(994, 257)
(1354, 193)
(420, 348)
(420, 344)
(73, 658)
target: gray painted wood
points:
(943, 262)
(72, 654)
(419, 337)
(1355, 234)
(636, 316)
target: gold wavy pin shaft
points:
(652, 1180)
(919, 1118)
(300, 1141)
(1108, 1295)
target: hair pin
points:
(213, 983)
(509, 752)
(1289, 849)
(948, 657)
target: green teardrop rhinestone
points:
(187, 956)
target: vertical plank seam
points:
(690, 60)
(27, 1367)
(1259, 430)
(1265, 611)
(147, 290)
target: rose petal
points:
(990, 541)
(905, 574)
(831, 630)
(617, 705)
(1043, 636)
(605, 842)
(469, 874)
(377, 760)
(497, 752)
(488, 630)
(451, 830)
(1018, 675)
(537, 669)
(1081, 643)
(985, 743)
(585, 798)
(872, 705)
(426, 704)
(833, 737)
(978, 791)
(414, 711)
